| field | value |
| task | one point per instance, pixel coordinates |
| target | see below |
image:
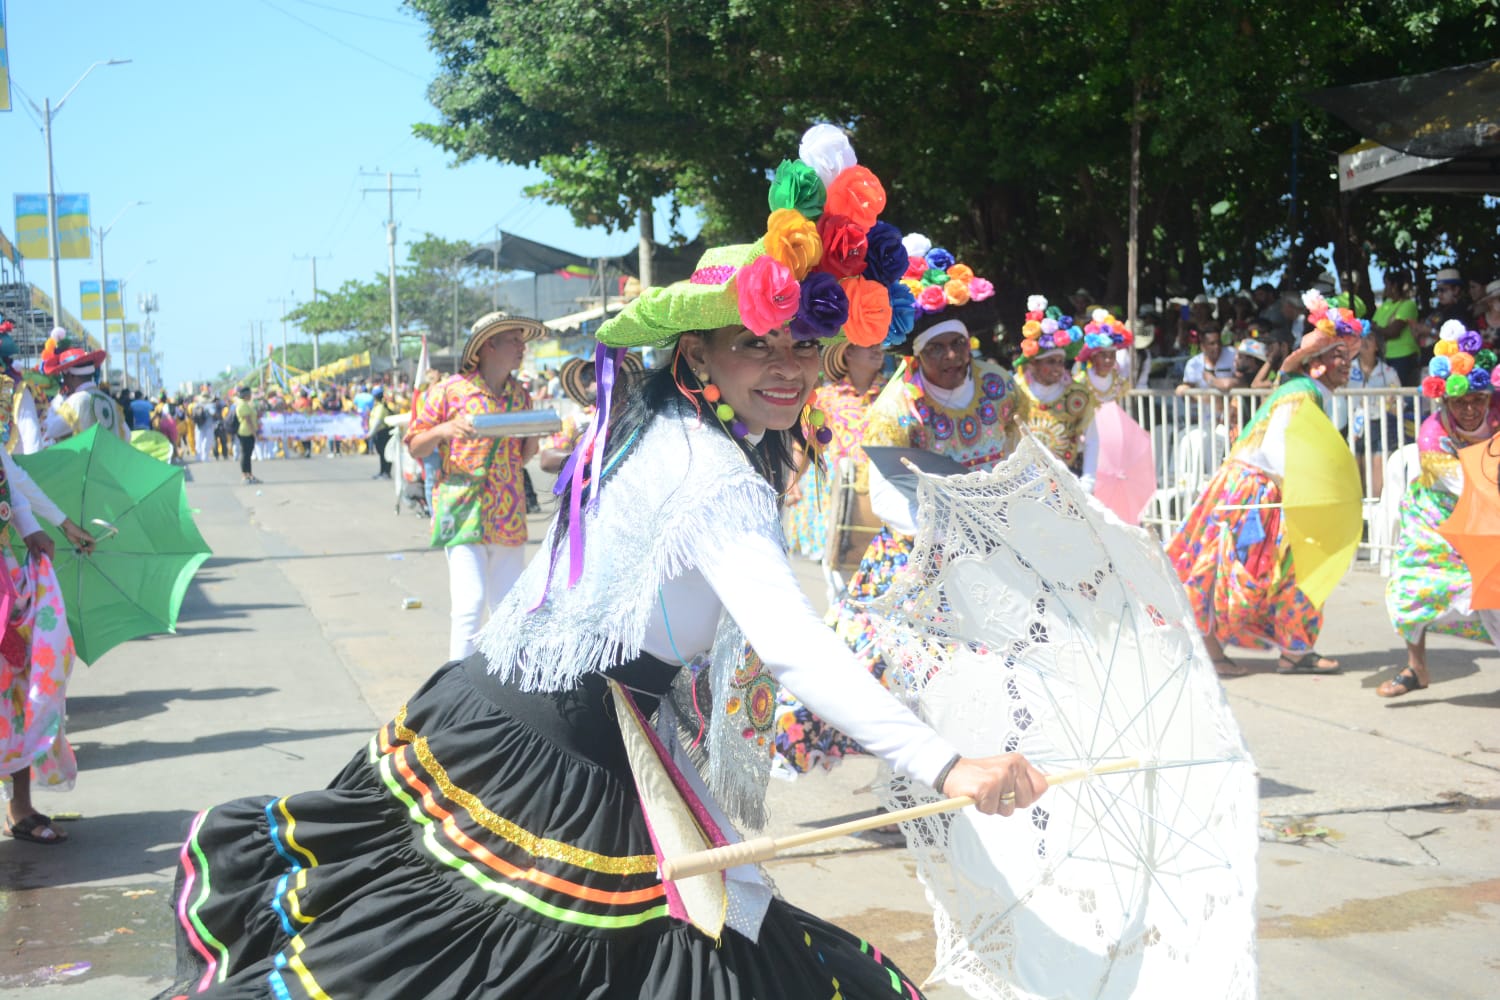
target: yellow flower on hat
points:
(792, 239)
(1443, 348)
(961, 272)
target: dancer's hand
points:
(81, 539)
(460, 428)
(1000, 784)
(38, 544)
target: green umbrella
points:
(153, 443)
(148, 549)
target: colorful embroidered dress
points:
(1061, 424)
(845, 410)
(1236, 564)
(1429, 586)
(978, 436)
(479, 497)
(36, 658)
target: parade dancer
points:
(1231, 553)
(852, 381)
(478, 501)
(1429, 587)
(1104, 340)
(23, 426)
(81, 404)
(491, 841)
(36, 657)
(944, 400)
(1053, 407)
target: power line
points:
(347, 44)
(356, 13)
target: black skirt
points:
(486, 843)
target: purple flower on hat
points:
(885, 258)
(1470, 342)
(824, 307)
(940, 259)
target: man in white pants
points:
(205, 417)
(479, 501)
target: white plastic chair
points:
(1168, 504)
(1402, 467)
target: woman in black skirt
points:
(490, 841)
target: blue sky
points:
(245, 126)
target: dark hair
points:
(638, 398)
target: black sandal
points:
(27, 829)
(1306, 664)
(1404, 682)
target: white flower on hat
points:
(1036, 303)
(916, 244)
(1313, 299)
(826, 149)
(1451, 330)
(1099, 315)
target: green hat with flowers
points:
(826, 267)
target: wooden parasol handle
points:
(764, 848)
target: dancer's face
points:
(766, 380)
(1469, 410)
(945, 359)
(1049, 370)
(1335, 364)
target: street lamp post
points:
(124, 353)
(47, 113)
(102, 232)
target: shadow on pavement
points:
(98, 848)
(1417, 699)
(96, 711)
(100, 756)
(220, 561)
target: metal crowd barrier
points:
(1191, 435)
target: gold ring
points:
(1008, 797)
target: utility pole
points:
(313, 334)
(390, 246)
(148, 306)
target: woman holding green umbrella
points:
(36, 656)
(1231, 553)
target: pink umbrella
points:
(1126, 474)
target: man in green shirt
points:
(247, 426)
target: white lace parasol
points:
(1031, 619)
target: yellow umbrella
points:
(1322, 503)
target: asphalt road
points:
(1379, 868)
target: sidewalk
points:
(1380, 876)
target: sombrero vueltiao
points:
(490, 325)
(576, 373)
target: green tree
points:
(1000, 127)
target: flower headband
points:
(1104, 332)
(1335, 321)
(1047, 330)
(936, 280)
(1458, 366)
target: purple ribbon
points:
(594, 440)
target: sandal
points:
(1225, 667)
(1404, 682)
(35, 829)
(1309, 663)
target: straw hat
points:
(491, 325)
(576, 374)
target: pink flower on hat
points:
(768, 294)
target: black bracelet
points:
(942, 776)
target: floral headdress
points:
(937, 280)
(1458, 366)
(825, 265)
(1336, 321)
(1104, 333)
(1047, 330)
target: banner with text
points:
(72, 226)
(312, 425)
(89, 292)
